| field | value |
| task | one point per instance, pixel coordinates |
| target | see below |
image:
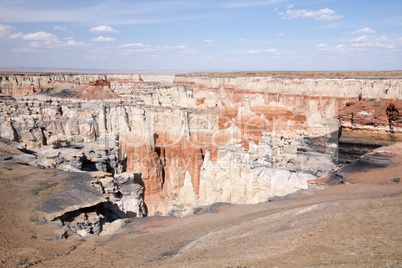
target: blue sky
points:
(215, 35)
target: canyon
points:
(251, 169)
(157, 148)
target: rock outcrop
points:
(94, 204)
(98, 90)
(202, 140)
(372, 120)
(339, 88)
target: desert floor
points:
(351, 225)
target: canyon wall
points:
(338, 88)
(202, 140)
(17, 85)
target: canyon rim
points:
(128, 146)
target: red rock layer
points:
(237, 116)
(166, 158)
(372, 120)
(97, 90)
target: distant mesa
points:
(100, 82)
(97, 90)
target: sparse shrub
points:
(158, 213)
(23, 261)
(396, 179)
(197, 210)
(127, 221)
(37, 191)
(8, 168)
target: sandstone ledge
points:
(77, 194)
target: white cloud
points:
(362, 43)
(131, 45)
(382, 42)
(72, 43)
(208, 40)
(103, 29)
(279, 34)
(240, 39)
(324, 14)
(341, 47)
(24, 50)
(321, 45)
(38, 36)
(5, 30)
(103, 39)
(365, 30)
(331, 26)
(49, 44)
(44, 42)
(181, 50)
(259, 51)
(176, 47)
(363, 38)
(137, 48)
(60, 28)
(141, 50)
(290, 6)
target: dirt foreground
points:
(352, 225)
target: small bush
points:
(396, 180)
(158, 213)
(23, 261)
(197, 210)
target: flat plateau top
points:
(275, 74)
(304, 75)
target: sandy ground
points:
(352, 225)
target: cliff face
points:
(338, 88)
(20, 85)
(196, 142)
(372, 120)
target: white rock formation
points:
(186, 201)
(273, 168)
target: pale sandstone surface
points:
(159, 78)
